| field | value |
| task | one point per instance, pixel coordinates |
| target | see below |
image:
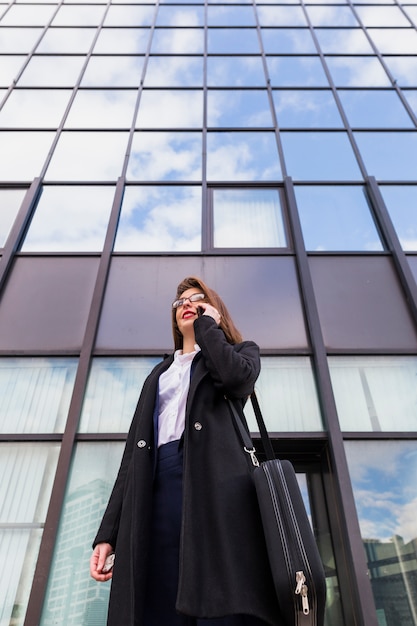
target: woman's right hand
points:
(100, 554)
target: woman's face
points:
(187, 312)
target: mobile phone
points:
(200, 311)
(108, 564)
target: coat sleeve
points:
(233, 368)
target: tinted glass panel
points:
(357, 71)
(180, 16)
(10, 201)
(35, 394)
(384, 484)
(112, 393)
(374, 109)
(281, 16)
(296, 72)
(178, 41)
(160, 218)
(70, 219)
(287, 41)
(73, 597)
(237, 41)
(306, 109)
(343, 41)
(332, 16)
(244, 218)
(403, 68)
(174, 71)
(401, 203)
(389, 156)
(27, 472)
(336, 218)
(238, 108)
(230, 16)
(235, 71)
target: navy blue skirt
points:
(164, 553)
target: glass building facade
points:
(268, 147)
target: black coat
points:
(223, 561)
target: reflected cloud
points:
(170, 109)
(102, 109)
(174, 71)
(113, 71)
(28, 108)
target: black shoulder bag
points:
(295, 561)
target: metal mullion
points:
(350, 555)
(206, 195)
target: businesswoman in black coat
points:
(182, 518)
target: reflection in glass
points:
(73, 597)
(374, 109)
(332, 16)
(281, 16)
(88, 156)
(238, 108)
(343, 41)
(113, 71)
(311, 156)
(248, 218)
(102, 109)
(78, 15)
(336, 218)
(306, 109)
(288, 41)
(34, 109)
(237, 41)
(235, 71)
(18, 40)
(165, 156)
(10, 201)
(382, 16)
(394, 40)
(132, 15)
(384, 481)
(35, 394)
(27, 472)
(160, 219)
(122, 41)
(401, 203)
(9, 69)
(70, 219)
(357, 72)
(66, 40)
(390, 155)
(174, 71)
(21, 15)
(296, 71)
(375, 393)
(170, 109)
(178, 41)
(242, 156)
(23, 154)
(403, 68)
(51, 71)
(180, 16)
(113, 389)
(287, 383)
(230, 16)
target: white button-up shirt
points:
(173, 390)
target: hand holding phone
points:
(108, 564)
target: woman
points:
(182, 518)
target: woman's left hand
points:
(211, 311)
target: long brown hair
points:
(226, 322)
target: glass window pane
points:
(38, 109)
(27, 472)
(336, 218)
(230, 16)
(180, 16)
(133, 15)
(332, 16)
(35, 394)
(403, 68)
(281, 16)
(88, 156)
(18, 39)
(9, 69)
(296, 72)
(242, 156)
(343, 40)
(23, 154)
(288, 41)
(384, 482)
(170, 109)
(78, 15)
(390, 155)
(113, 71)
(306, 109)
(21, 15)
(287, 395)
(382, 16)
(70, 219)
(178, 41)
(160, 219)
(51, 71)
(311, 156)
(357, 72)
(66, 40)
(165, 156)
(102, 109)
(72, 596)
(237, 41)
(235, 71)
(174, 71)
(122, 41)
(401, 203)
(248, 218)
(374, 109)
(394, 40)
(113, 389)
(411, 96)
(375, 393)
(238, 108)
(10, 201)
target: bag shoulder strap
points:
(247, 441)
(266, 441)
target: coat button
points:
(198, 426)
(141, 443)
